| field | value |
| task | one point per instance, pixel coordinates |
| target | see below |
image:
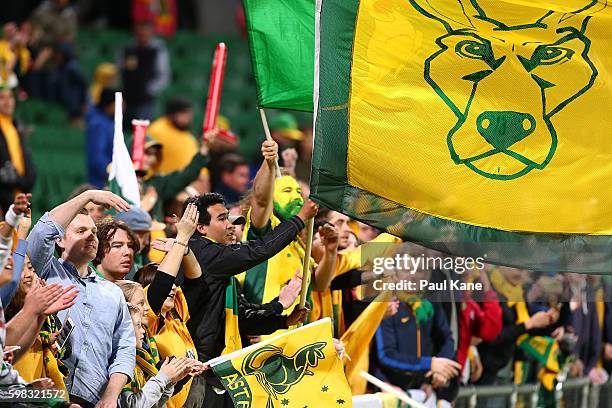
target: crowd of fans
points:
(120, 305)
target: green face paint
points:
(289, 210)
(288, 198)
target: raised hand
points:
(329, 237)
(163, 244)
(290, 292)
(340, 350)
(197, 367)
(177, 369)
(269, 151)
(209, 139)
(41, 296)
(21, 203)
(49, 299)
(297, 316)
(290, 158)
(187, 224)
(66, 299)
(308, 210)
(107, 199)
(24, 225)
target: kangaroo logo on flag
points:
(296, 369)
(277, 373)
(545, 61)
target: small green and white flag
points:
(122, 177)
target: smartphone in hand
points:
(64, 333)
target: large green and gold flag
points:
(472, 126)
(281, 39)
(297, 369)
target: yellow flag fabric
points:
(232, 332)
(299, 368)
(469, 121)
(357, 340)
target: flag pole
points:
(306, 265)
(264, 121)
(387, 388)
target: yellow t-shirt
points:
(30, 366)
(179, 146)
(263, 282)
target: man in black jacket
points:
(220, 261)
(17, 172)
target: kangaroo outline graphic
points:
(489, 140)
(276, 372)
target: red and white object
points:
(215, 87)
(139, 130)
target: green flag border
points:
(330, 187)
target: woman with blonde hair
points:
(164, 306)
(167, 307)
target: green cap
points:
(287, 124)
(150, 142)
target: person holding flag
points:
(298, 368)
(273, 201)
(525, 336)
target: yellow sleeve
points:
(349, 260)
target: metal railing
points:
(574, 393)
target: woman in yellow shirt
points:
(167, 312)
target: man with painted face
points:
(273, 201)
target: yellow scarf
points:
(13, 143)
(512, 294)
(144, 370)
(52, 370)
